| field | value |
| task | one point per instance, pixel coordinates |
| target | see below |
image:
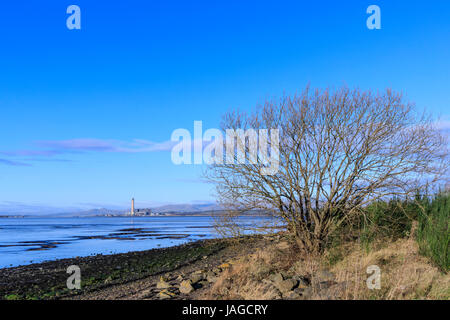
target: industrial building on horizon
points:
(142, 212)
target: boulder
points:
(198, 272)
(286, 285)
(162, 284)
(166, 294)
(196, 277)
(186, 287)
(292, 295)
(303, 282)
(211, 276)
(305, 293)
(277, 278)
(202, 283)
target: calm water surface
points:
(30, 240)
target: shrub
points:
(389, 219)
(433, 233)
(332, 152)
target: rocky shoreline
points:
(268, 267)
(102, 272)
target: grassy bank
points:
(277, 271)
(408, 240)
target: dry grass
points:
(247, 277)
(404, 273)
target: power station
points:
(141, 212)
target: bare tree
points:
(339, 150)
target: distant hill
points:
(93, 213)
(37, 210)
(181, 209)
(170, 209)
(173, 209)
(187, 208)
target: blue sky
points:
(86, 114)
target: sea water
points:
(32, 240)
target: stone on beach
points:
(286, 285)
(196, 277)
(163, 284)
(186, 287)
(211, 276)
(166, 294)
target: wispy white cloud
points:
(48, 149)
(30, 153)
(100, 145)
(14, 163)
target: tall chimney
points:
(132, 206)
